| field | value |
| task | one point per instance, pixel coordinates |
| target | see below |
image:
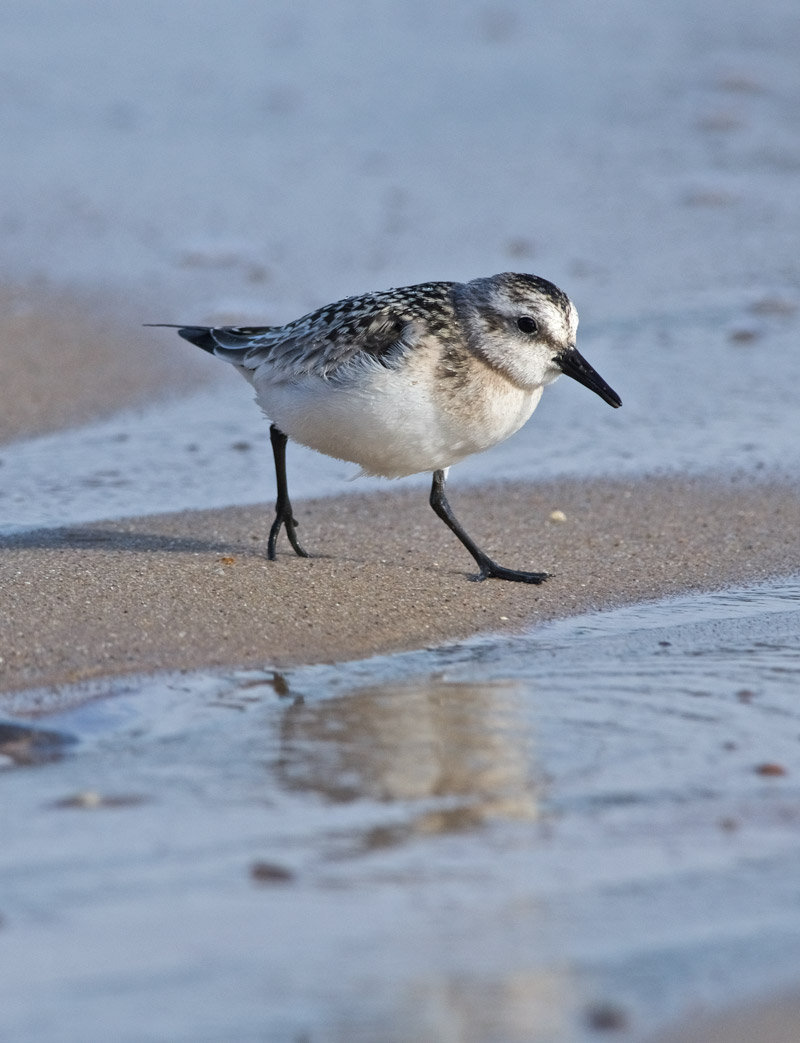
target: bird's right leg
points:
(488, 569)
(283, 506)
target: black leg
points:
(488, 568)
(283, 507)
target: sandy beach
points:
(194, 589)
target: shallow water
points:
(505, 839)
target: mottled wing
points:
(335, 341)
(331, 343)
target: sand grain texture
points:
(194, 589)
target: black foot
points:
(489, 570)
(283, 508)
(284, 519)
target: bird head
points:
(525, 327)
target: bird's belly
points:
(388, 424)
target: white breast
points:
(392, 422)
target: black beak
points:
(575, 365)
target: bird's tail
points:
(199, 335)
(232, 343)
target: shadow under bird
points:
(409, 380)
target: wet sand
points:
(194, 590)
(67, 359)
(776, 1021)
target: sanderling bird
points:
(409, 380)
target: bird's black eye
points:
(527, 324)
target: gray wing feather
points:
(321, 349)
(336, 341)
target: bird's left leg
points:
(488, 568)
(283, 506)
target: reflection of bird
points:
(450, 754)
(409, 380)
